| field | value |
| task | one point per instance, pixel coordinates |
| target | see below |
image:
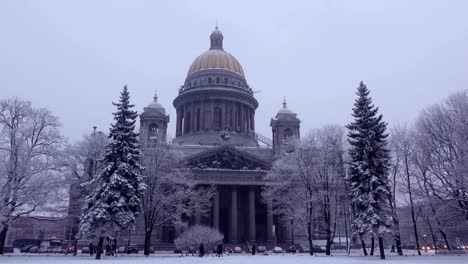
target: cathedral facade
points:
(215, 131)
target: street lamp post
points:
(128, 243)
(291, 219)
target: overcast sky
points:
(74, 57)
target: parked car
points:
(42, 250)
(339, 247)
(228, 250)
(277, 250)
(34, 249)
(70, 250)
(319, 249)
(151, 250)
(26, 249)
(58, 250)
(291, 249)
(261, 249)
(123, 250)
(85, 250)
(134, 250)
(177, 251)
(237, 250)
(8, 249)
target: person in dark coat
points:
(202, 250)
(219, 250)
(253, 250)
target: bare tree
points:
(443, 130)
(403, 149)
(306, 179)
(171, 193)
(29, 142)
(393, 202)
(80, 164)
(421, 162)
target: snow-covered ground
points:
(235, 259)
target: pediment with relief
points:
(226, 157)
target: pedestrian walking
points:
(202, 250)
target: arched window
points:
(218, 80)
(153, 132)
(225, 80)
(288, 133)
(210, 80)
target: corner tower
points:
(153, 122)
(214, 97)
(284, 126)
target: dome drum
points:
(218, 77)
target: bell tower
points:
(153, 123)
(285, 125)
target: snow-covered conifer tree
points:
(368, 170)
(115, 202)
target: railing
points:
(261, 138)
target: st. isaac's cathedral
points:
(216, 98)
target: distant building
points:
(31, 230)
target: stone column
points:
(253, 120)
(269, 223)
(252, 231)
(202, 116)
(212, 107)
(242, 119)
(233, 214)
(216, 210)
(192, 117)
(179, 122)
(223, 115)
(233, 118)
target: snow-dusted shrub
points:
(199, 234)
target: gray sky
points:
(74, 57)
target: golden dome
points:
(216, 59)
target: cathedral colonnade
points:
(214, 114)
(240, 214)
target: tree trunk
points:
(147, 243)
(398, 245)
(415, 227)
(346, 225)
(372, 246)
(328, 247)
(444, 235)
(3, 234)
(364, 247)
(91, 249)
(309, 238)
(99, 248)
(381, 247)
(434, 243)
